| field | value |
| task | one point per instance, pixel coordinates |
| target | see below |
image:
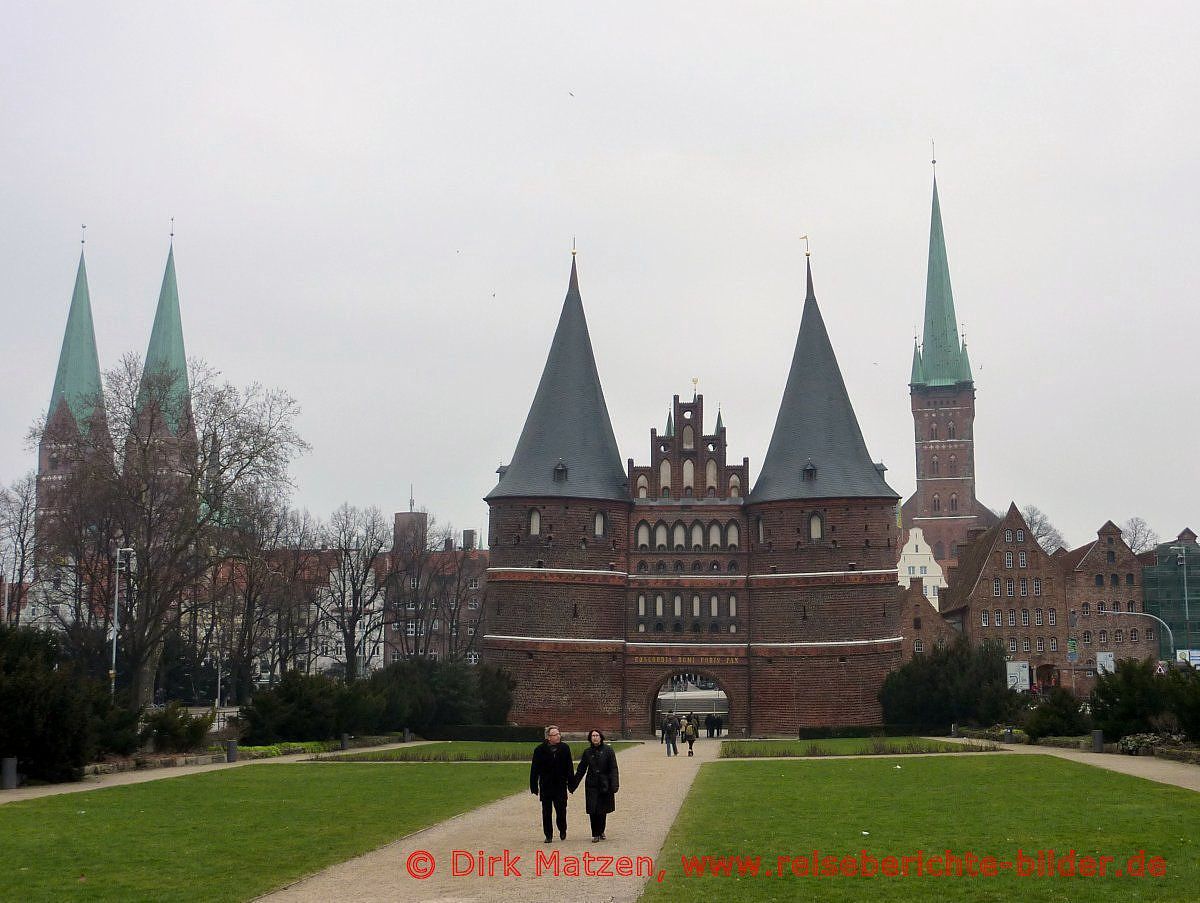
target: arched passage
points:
(689, 691)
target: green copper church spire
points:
(941, 361)
(670, 430)
(77, 380)
(720, 420)
(165, 355)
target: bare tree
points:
(355, 549)
(291, 601)
(18, 505)
(435, 600)
(1138, 535)
(174, 471)
(1043, 531)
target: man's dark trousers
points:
(560, 811)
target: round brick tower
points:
(822, 564)
(559, 521)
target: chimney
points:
(468, 540)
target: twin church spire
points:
(77, 383)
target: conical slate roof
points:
(943, 361)
(77, 380)
(165, 353)
(817, 450)
(567, 448)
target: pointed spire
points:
(817, 449)
(165, 355)
(77, 380)
(669, 432)
(567, 448)
(720, 421)
(918, 368)
(943, 362)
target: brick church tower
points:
(942, 390)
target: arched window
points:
(950, 435)
(731, 534)
(643, 486)
(664, 476)
(695, 606)
(535, 522)
(1133, 634)
(641, 606)
(937, 503)
(954, 501)
(660, 537)
(713, 603)
(953, 466)
(689, 477)
(689, 437)
(678, 567)
(933, 431)
(642, 567)
(710, 474)
(714, 535)
(678, 606)
(933, 466)
(679, 537)
(1087, 636)
(759, 526)
(733, 606)
(599, 525)
(733, 566)
(816, 527)
(735, 486)
(697, 536)
(643, 536)
(1086, 608)
(658, 606)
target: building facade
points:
(1044, 608)
(606, 582)
(917, 562)
(1171, 578)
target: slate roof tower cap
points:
(567, 448)
(77, 379)
(817, 449)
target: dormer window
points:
(560, 472)
(809, 473)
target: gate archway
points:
(687, 691)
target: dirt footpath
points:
(653, 788)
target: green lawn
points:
(844, 746)
(458, 751)
(226, 835)
(989, 805)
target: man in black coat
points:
(550, 778)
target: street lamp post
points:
(124, 558)
(1187, 620)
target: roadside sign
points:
(1105, 662)
(1072, 650)
(1018, 676)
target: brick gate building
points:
(607, 580)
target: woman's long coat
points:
(599, 763)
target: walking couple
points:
(552, 775)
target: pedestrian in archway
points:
(550, 778)
(601, 780)
(671, 732)
(689, 734)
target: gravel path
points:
(1164, 771)
(653, 788)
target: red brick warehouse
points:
(605, 581)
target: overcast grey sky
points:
(375, 204)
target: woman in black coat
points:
(599, 763)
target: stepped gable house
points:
(606, 581)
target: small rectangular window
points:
(1011, 586)
(1041, 645)
(1053, 644)
(983, 622)
(1053, 616)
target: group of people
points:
(674, 727)
(552, 775)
